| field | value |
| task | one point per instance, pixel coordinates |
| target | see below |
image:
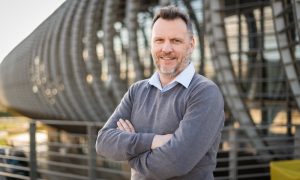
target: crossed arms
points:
(158, 140)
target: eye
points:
(159, 40)
(176, 41)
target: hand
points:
(125, 125)
(160, 140)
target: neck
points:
(165, 79)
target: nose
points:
(167, 47)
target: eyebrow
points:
(172, 38)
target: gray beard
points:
(175, 73)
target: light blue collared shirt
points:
(184, 78)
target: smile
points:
(167, 58)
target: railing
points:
(57, 149)
(237, 159)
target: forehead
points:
(164, 27)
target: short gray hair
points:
(171, 13)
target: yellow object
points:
(285, 170)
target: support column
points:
(32, 156)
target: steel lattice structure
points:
(79, 62)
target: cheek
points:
(154, 51)
(180, 53)
(187, 52)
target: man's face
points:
(171, 46)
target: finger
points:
(120, 126)
(130, 125)
(125, 125)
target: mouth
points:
(167, 58)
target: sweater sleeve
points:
(119, 145)
(197, 133)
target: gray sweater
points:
(194, 116)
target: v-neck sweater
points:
(195, 117)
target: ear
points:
(192, 44)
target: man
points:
(168, 126)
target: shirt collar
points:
(184, 78)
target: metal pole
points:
(32, 158)
(297, 142)
(92, 152)
(232, 154)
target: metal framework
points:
(215, 27)
(79, 62)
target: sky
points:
(18, 18)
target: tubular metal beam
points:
(224, 70)
(286, 46)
